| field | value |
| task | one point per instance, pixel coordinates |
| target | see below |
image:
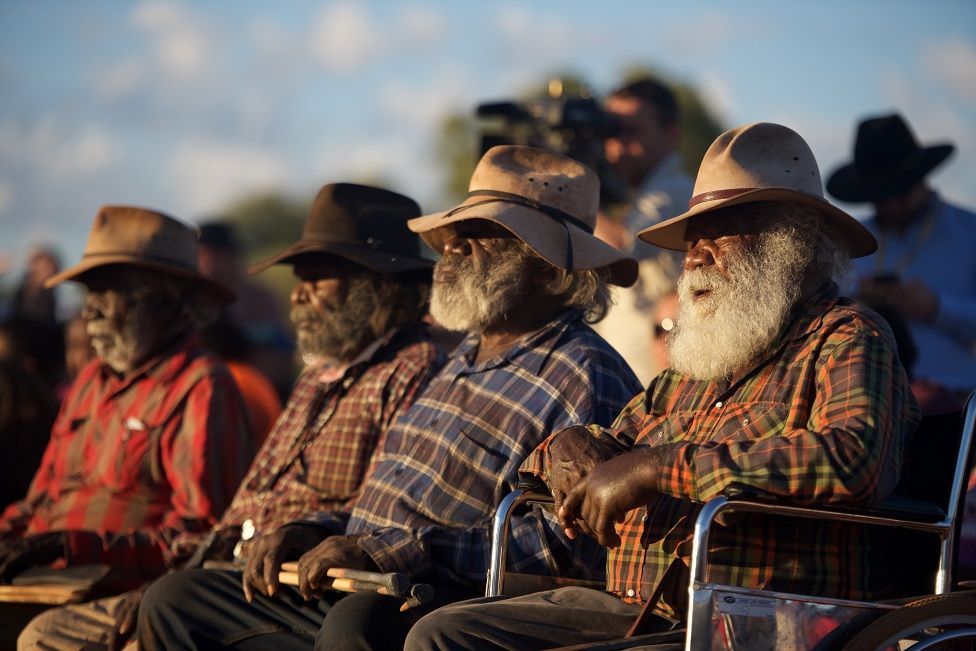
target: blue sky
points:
(186, 106)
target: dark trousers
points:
(205, 609)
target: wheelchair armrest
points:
(900, 507)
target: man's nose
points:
(300, 294)
(701, 254)
(457, 246)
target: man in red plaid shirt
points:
(777, 384)
(151, 440)
(362, 289)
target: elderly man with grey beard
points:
(522, 273)
(777, 384)
(151, 441)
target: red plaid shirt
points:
(134, 461)
(319, 450)
(823, 419)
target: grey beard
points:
(338, 334)
(122, 350)
(743, 315)
(471, 302)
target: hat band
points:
(718, 195)
(550, 211)
(142, 256)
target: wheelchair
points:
(928, 500)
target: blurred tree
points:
(459, 135)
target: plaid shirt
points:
(427, 504)
(823, 419)
(134, 461)
(316, 455)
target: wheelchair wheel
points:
(937, 622)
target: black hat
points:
(887, 161)
(362, 224)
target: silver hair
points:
(585, 289)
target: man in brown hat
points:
(151, 440)
(522, 273)
(776, 384)
(925, 267)
(362, 289)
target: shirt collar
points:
(530, 352)
(328, 373)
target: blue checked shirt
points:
(447, 462)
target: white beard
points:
(740, 318)
(472, 302)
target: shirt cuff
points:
(677, 474)
(395, 550)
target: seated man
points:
(775, 383)
(151, 441)
(357, 311)
(522, 273)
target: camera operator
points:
(643, 152)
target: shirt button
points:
(719, 403)
(631, 593)
(644, 518)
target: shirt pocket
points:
(750, 421)
(133, 457)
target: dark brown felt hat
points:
(547, 200)
(359, 223)
(887, 161)
(139, 237)
(760, 162)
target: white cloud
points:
(421, 25)
(424, 106)
(718, 95)
(952, 62)
(120, 80)
(208, 174)
(343, 38)
(180, 42)
(49, 150)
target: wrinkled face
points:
(741, 279)
(331, 308)
(484, 274)
(121, 313)
(641, 143)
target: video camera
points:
(572, 126)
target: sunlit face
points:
(120, 312)
(331, 307)
(483, 275)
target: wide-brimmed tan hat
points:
(547, 200)
(139, 237)
(760, 162)
(359, 223)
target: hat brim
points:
(851, 184)
(670, 234)
(383, 262)
(540, 232)
(213, 289)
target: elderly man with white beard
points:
(776, 384)
(522, 273)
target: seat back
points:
(930, 461)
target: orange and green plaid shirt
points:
(824, 418)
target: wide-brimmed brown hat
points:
(139, 237)
(759, 162)
(547, 200)
(359, 223)
(887, 161)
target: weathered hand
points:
(18, 555)
(571, 455)
(611, 489)
(125, 618)
(266, 555)
(337, 551)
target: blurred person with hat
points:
(777, 385)
(925, 269)
(361, 290)
(522, 274)
(151, 440)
